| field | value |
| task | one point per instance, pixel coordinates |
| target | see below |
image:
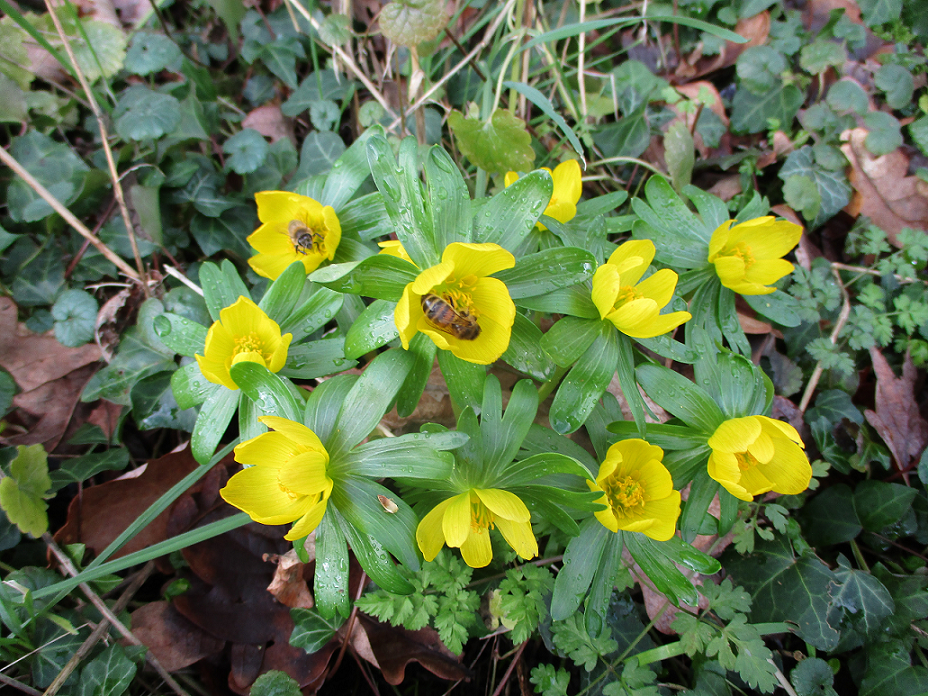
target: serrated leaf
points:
(501, 144)
(142, 114)
(103, 51)
(22, 493)
(149, 53)
(246, 151)
(75, 314)
(410, 22)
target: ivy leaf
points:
(760, 67)
(108, 674)
(246, 151)
(863, 596)
(501, 144)
(149, 53)
(275, 683)
(75, 314)
(311, 631)
(324, 114)
(885, 133)
(54, 165)
(142, 114)
(876, 12)
(321, 149)
(22, 493)
(82, 468)
(410, 22)
(833, 186)
(801, 194)
(898, 84)
(750, 111)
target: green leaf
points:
(525, 352)
(139, 356)
(880, 504)
(545, 271)
(820, 55)
(311, 631)
(375, 560)
(75, 314)
(222, 286)
(324, 85)
(324, 403)
(246, 151)
(498, 145)
(784, 585)
(190, 387)
(847, 95)
(320, 151)
(180, 334)
(150, 53)
(830, 517)
(877, 12)
(271, 393)
(22, 493)
(211, 425)
(750, 111)
(416, 455)
(627, 137)
(449, 200)
(410, 22)
(918, 130)
(660, 570)
(586, 382)
(380, 276)
(779, 307)
(543, 103)
(675, 393)
(82, 468)
(13, 109)
(423, 350)
(155, 406)
(833, 187)
(696, 510)
(12, 39)
(53, 165)
(280, 58)
(109, 674)
(99, 47)
(863, 597)
(348, 173)
(331, 578)
(465, 380)
(313, 309)
(368, 400)
(142, 114)
(8, 389)
(569, 339)
(275, 683)
(508, 217)
(581, 559)
(679, 154)
(800, 193)
(681, 238)
(760, 68)
(373, 329)
(885, 133)
(898, 84)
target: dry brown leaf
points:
(270, 122)
(897, 418)
(289, 585)
(882, 190)
(755, 29)
(727, 188)
(175, 641)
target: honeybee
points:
(304, 239)
(443, 315)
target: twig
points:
(580, 61)
(508, 673)
(9, 681)
(872, 271)
(104, 137)
(59, 208)
(457, 45)
(839, 325)
(173, 272)
(100, 630)
(352, 620)
(784, 682)
(110, 616)
(80, 254)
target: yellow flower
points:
(567, 189)
(635, 308)
(756, 454)
(469, 313)
(243, 333)
(394, 247)
(747, 257)
(637, 490)
(296, 228)
(286, 479)
(465, 521)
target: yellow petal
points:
(305, 474)
(730, 270)
(408, 315)
(567, 184)
(456, 522)
(754, 481)
(477, 259)
(605, 288)
(519, 536)
(394, 247)
(723, 467)
(607, 517)
(659, 286)
(257, 492)
(430, 277)
(429, 535)
(634, 318)
(762, 449)
(719, 239)
(510, 178)
(271, 450)
(562, 211)
(767, 272)
(296, 432)
(241, 317)
(784, 428)
(272, 238)
(270, 265)
(656, 479)
(279, 356)
(664, 514)
(486, 349)
(333, 235)
(789, 470)
(249, 356)
(504, 504)
(284, 206)
(476, 549)
(634, 248)
(308, 522)
(735, 434)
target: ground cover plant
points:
(426, 347)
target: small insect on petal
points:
(388, 504)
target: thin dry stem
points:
(171, 271)
(104, 138)
(9, 681)
(69, 217)
(839, 325)
(580, 60)
(110, 616)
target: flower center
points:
(290, 494)
(746, 460)
(743, 252)
(249, 343)
(627, 293)
(481, 517)
(625, 495)
(457, 293)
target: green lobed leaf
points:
(82, 468)
(750, 111)
(142, 114)
(75, 315)
(276, 683)
(318, 155)
(833, 186)
(149, 53)
(627, 137)
(410, 22)
(22, 493)
(246, 151)
(311, 631)
(877, 12)
(54, 165)
(759, 68)
(497, 145)
(885, 133)
(109, 674)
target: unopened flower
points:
(458, 306)
(748, 256)
(244, 333)
(637, 490)
(756, 454)
(465, 521)
(295, 228)
(286, 479)
(566, 193)
(633, 307)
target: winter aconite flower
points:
(567, 189)
(286, 480)
(635, 307)
(748, 256)
(458, 306)
(465, 521)
(295, 228)
(394, 247)
(244, 333)
(756, 454)
(637, 490)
